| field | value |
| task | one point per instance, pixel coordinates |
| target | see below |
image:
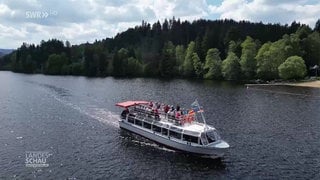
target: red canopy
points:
(130, 103)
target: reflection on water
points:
(273, 131)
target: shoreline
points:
(313, 84)
(305, 83)
(309, 84)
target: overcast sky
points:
(80, 21)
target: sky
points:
(80, 21)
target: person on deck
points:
(166, 108)
(171, 113)
(156, 114)
(150, 104)
(178, 115)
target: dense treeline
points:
(221, 49)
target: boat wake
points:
(100, 114)
(63, 96)
(143, 142)
(151, 144)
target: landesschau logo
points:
(37, 158)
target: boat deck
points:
(165, 120)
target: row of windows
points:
(164, 131)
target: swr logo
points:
(37, 14)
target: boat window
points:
(203, 139)
(164, 131)
(175, 135)
(165, 126)
(148, 120)
(131, 119)
(211, 136)
(156, 128)
(192, 133)
(157, 123)
(190, 138)
(138, 122)
(147, 125)
(175, 129)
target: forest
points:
(203, 49)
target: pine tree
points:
(188, 69)
(248, 62)
(231, 69)
(168, 60)
(212, 65)
(197, 65)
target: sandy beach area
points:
(315, 84)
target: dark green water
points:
(274, 132)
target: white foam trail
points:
(151, 144)
(154, 145)
(105, 116)
(100, 114)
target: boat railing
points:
(149, 115)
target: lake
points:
(274, 131)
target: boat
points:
(180, 129)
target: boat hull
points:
(172, 143)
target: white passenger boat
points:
(175, 128)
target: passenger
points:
(183, 111)
(171, 112)
(178, 108)
(150, 104)
(156, 114)
(149, 111)
(178, 115)
(166, 109)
